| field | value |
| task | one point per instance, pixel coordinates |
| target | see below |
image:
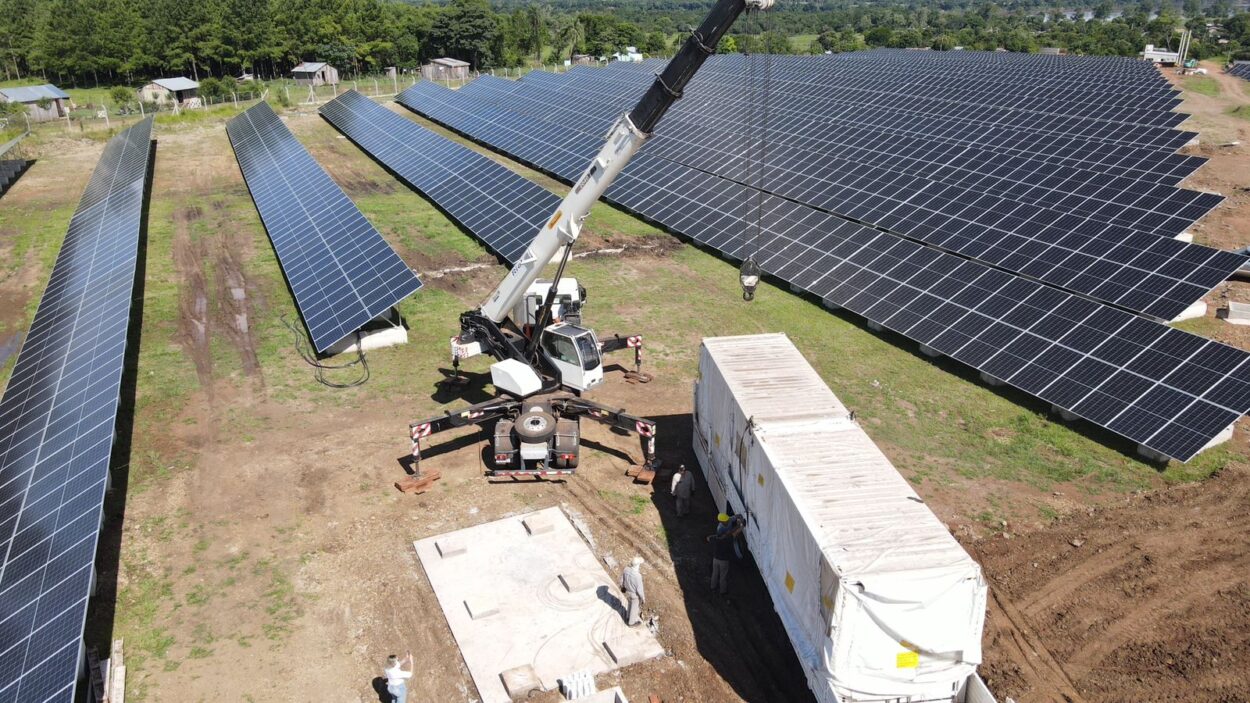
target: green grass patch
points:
(1241, 112)
(1203, 85)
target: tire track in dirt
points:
(1148, 600)
(193, 323)
(235, 312)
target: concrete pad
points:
(520, 681)
(542, 623)
(481, 607)
(450, 547)
(991, 380)
(930, 351)
(627, 650)
(1066, 415)
(1187, 237)
(538, 524)
(1236, 313)
(577, 582)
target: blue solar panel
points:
(57, 421)
(503, 212)
(342, 272)
(1168, 390)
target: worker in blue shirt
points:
(724, 549)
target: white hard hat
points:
(637, 561)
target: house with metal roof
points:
(445, 69)
(315, 73)
(180, 90)
(43, 102)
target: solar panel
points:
(1241, 69)
(1140, 272)
(1168, 390)
(1120, 200)
(342, 272)
(57, 420)
(463, 183)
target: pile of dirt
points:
(1146, 600)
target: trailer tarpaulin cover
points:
(879, 600)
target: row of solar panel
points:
(342, 272)
(1071, 152)
(1168, 390)
(57, 420)
(1241, 70)
(1117, 200)
(1142, 272)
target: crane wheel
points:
(535, 426)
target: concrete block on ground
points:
(626, 651)
(577, 581)
(1187, 237)
(481, 607)
(1237, 313)
(520, 681)
(930, 351)
(1198, 309)
(578, 685)
(1064, 415)
(1220, 438)
(875, 326)
(991, 380)
(830, 305)
(538, 524)
(1151, 455)
(450, 547)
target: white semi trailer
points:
(878, 599)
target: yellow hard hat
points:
(722, 518)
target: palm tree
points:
(572, 35)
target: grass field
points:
(1204, 85)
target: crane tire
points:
(535, 426)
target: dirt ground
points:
(256, 551)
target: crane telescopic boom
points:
(624, 140)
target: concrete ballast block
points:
(577, 582)
(1198, 309)
(479, 607)
(538, 524)
(520, 681)
(450, 547)
(624, 652)
(930, 351)
(1237, 313)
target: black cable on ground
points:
(303, 346)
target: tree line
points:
(79, 42)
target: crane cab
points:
(566, 307)
(574, 353)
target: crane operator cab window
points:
(574, 352)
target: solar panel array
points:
(1241, 69)
(1168, 390)
(1106, 238)
(57, 420)
(10, 171)
(342, 272)
(503, 212)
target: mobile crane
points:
(545, 358)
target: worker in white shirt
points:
(397, 678)
(682, 489)
(631, 584)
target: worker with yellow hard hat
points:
(723, 549)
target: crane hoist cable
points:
(756, 155)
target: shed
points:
(180, 90)
(315, 73)
(583, 60)
(31, 95)
(1052, 51)
(630, 55)
(445, 69)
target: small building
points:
(315, 73)
(179, 91)
(32, 95)
(630, 55)
(1052, 51)
(445, 69)
(582, 60)
(1160, 56)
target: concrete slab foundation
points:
(375, 339)
(519, 682)
(1187, 237)
(930, 351)
(563, 613)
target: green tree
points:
(654, 44)
(465, 30)
(727, 45)
(121, 97)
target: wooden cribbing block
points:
(418, 483)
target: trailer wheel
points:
(535, 426)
